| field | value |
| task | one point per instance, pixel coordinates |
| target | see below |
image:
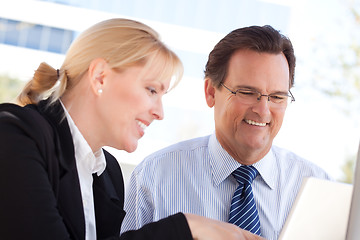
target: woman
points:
(56, 180)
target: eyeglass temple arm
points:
(233, 92)
(292, 96)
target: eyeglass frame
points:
(260, 94)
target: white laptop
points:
(353, 228)
(325, 210)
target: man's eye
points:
(152, 90)
(278, 97)
(246, 93)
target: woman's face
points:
(130, 101)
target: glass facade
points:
(35, 36)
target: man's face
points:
(246, 131)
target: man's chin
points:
(258, 144)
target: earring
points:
(100, 91)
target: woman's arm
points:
(208, 229)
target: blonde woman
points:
(56, 181)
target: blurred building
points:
(190, 27)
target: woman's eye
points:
(152, 90)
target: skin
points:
(129, 98)
(264, 72)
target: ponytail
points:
(43, 84)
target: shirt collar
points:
(267, 168)
(92, 162)
(223, 164)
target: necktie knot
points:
(244, 175)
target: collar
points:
(91, 162)
(54, 114)
(223, 164)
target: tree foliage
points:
(335, 65)
(351, 72)
(9, 88)
(348, 170)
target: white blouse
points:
(87, 163)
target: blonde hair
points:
(121, 42)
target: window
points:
(35, 36)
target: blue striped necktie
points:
(243, 212)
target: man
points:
(248, 78)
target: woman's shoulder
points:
(27, 118)
(8, 108)
(14, 111)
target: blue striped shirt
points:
(194, 176)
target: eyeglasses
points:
(249, 96)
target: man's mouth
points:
(251, 122)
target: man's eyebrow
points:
(280, 92)
(247, 87)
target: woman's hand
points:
(209, 229)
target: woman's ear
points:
(96, 74)
(209, 92)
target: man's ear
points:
(96, 74)
(209, 92)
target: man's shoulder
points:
(291, 161)
(283, 154)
